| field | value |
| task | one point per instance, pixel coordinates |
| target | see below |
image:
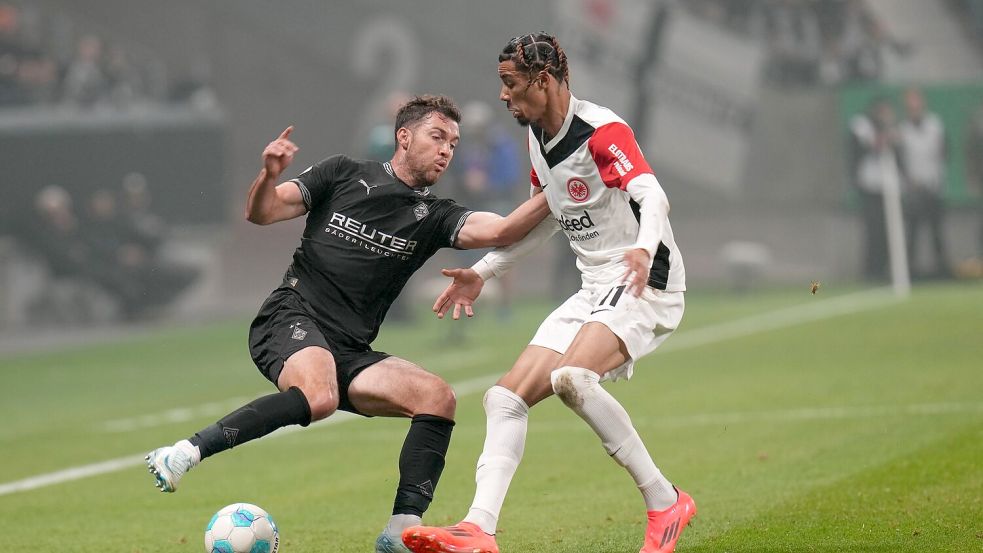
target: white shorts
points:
(642, 323)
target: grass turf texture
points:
(861, 432)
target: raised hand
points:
(462, 292)
(279, 153)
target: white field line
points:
(464, 388)
(764, 322)
(181, 414)
(781, 318)
(779, 416)
(218, 408)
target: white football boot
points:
(168, 464)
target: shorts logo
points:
(299, 333)
(578, 189)
(421, 211)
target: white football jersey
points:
(584, 171)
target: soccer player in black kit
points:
(370, 226)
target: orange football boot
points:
(664, 527)
(464, 537)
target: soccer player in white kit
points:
(604, 196)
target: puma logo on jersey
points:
(623, 166)
(367, 186)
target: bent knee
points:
(323, 402)
(570, 384)
(440, 400)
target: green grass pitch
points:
(856, 432)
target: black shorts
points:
(285, 325)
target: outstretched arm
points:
(467, 283)
(484, 229)
(269, 202)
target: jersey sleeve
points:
(450, 218)
(316, 181)
(617, 155)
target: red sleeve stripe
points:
(534, 178)
(617, 155)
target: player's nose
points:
(503, 94)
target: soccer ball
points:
(241, 528)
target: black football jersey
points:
(367, 233)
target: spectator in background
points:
(140, 224)
(57, 236)
(195, 88)
(117, 264)
(12, 91)
(145, 230)
(923, 156)
(872, 135)
(123, 84)
(974, 157)
(796, 42)
(37, 74)
(126, 260)
(858, 46)
(85, 83)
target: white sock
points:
(581, 391)
(505, 439)
(191, 449)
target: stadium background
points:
(755, 162)
(746, 161)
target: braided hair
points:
(537, 54)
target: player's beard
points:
(422, 177)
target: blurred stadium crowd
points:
(104, 258)
(809, 42)
(98, 256)
(919, 150)
(46, 59)
(101, 249)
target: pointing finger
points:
(286, 132)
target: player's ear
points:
(403, 138)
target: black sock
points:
(421, 462)
(254, 420)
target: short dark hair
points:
(537, 53)
(420, 107)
